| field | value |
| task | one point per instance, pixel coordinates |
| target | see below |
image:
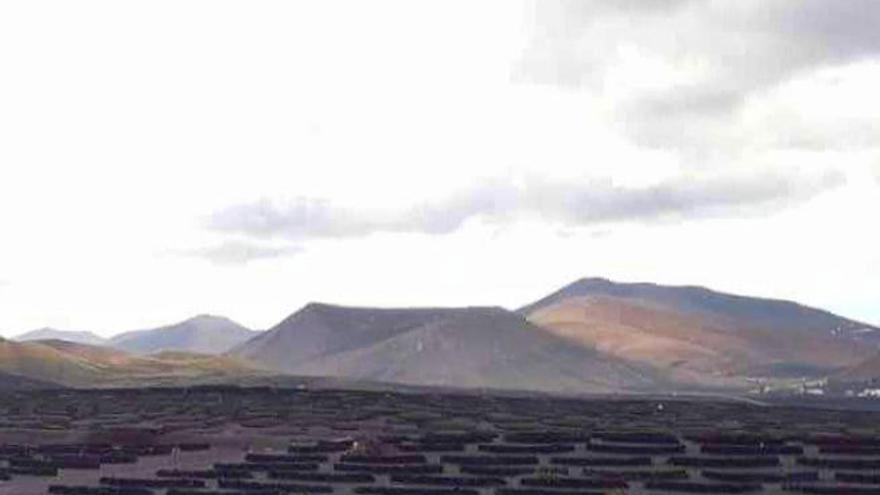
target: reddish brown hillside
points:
(695, 333)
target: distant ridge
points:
(484, 347)
(699, 333)
(759, 311)
(82, 365)
(593, 335)
(51, 333)
(205, 334)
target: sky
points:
(162, 159)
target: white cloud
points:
(240, 252)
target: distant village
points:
(821, 387)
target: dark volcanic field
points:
(266, 441)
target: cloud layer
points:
(235, 252)
(566, 203)
(680, 72)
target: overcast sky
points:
(160, 159)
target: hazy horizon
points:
(167, 159)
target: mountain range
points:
(206, 334)
(88, 338)
(203, 334)
(484, 347)
(593, 335)
(63, 363)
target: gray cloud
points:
(630, 6)
(304, 218)
(238, 252)
(678, 200)
(691, 101)
(734, 49)
(570, 204)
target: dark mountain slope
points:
(463, 347)
(323, 329)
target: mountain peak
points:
(323, 306)
(44, 330)
(690, 327)
(477, 346)
(48, 333)
(607, 282)
(204, 333)
(208, 318)
(600, 286)
(592, 282)
(320, 306)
